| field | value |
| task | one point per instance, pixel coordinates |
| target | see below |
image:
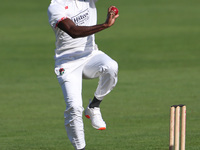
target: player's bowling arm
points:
(75, 31)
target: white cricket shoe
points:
(94, 115)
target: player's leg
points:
(71, 84)
(102, 66)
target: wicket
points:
(174, 131)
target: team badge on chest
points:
(61, 71)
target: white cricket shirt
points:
(82, 13)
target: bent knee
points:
(114, 66)
(111, 67)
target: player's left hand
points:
(111, 17)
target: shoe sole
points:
(102, 128)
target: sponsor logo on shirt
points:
(81, 18)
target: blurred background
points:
(156, 44)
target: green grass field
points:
(156, 44)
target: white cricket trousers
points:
(70, 75)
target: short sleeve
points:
(94, 1)
(56, 13)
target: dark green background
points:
(156, 44)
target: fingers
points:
(116, 16)
(109, 9)
(112, 12)
(111, 17)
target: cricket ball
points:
(115, 10)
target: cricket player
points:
(77, 57)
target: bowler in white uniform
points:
(77, 57)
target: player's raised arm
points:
(68, 26)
